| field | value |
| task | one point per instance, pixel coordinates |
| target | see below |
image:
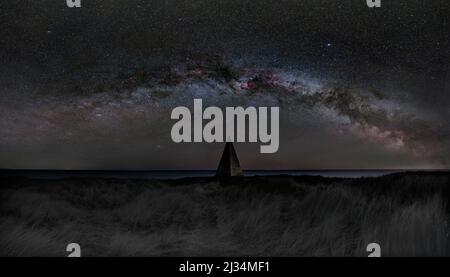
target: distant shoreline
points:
(181, 174)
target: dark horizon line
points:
(191, 170)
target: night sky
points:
(93, 88)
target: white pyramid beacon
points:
(229, 165)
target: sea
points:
(180, 174)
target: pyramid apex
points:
(229, 163)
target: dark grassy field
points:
(406, 213)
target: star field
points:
(92, 88)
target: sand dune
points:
(407, 214)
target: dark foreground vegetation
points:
(406, 213)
